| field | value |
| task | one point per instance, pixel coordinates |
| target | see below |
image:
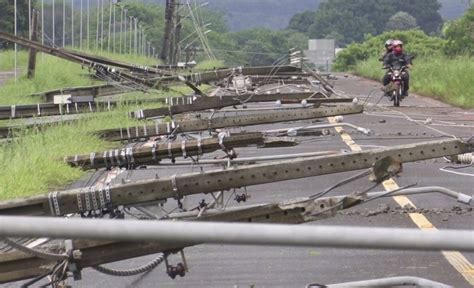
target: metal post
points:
(135, 35)
(138, 38)
(102, 25)
(110, 26)
(42, 22)
(80, 27)
(15, 22)
(29, 20)
(114, 27)
(387, 282)
(97, 26)
(131, 36)
(72, 23)
(125, 33)
(88, 25)
(121, 29)
(64, 23)
(53, 20)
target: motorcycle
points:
(396, 87)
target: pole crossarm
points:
(108, 196)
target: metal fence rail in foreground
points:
(386, 282)
(237, 233)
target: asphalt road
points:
(257, 266)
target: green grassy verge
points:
(51, 73)
(209, 64)
(447, 79)
(32, 162)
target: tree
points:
(401, 21)
(353, 19)
(302, 21)
(425, 12)
(7, 17)
(460, 35)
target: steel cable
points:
(34, 252)
(135, 271)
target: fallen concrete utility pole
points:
(238, 233)
(94, 91)
(219, 74)
(75, 105)
(250, 160)
(82, 200)
(225, 122)
(78, 57)
(16, 266)
(204, 103)
(133, 157)
(98, 67)
(102, 66)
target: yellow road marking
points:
(455, 258)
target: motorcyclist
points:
(397, 59)
(388, 49)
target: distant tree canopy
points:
(401, 21)
(7, 19)
(353, 19)
(416, 42)
(460, 35)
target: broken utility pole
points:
(133, 157)
(90, 199)
(193, 103)
(33, 52)
(227, 121)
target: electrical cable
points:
(339, 184)
(135, 271)
(389, 192)
(34, 252)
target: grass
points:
(51, 73)
(32, 162)
(125, 58)
(446, 79)
(209, 64)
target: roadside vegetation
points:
(443, 68)
(51, 73)
(32, 162)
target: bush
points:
(460, 35)
(416, 42)
(448, 79)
